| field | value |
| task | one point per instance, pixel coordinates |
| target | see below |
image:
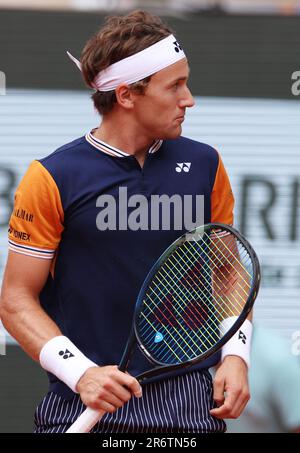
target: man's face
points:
(160, 111)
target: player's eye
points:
(175, 86)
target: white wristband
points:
(62, 358)
(240, 343)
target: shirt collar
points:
(108, 149)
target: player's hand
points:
(231, 378)
(107, 388)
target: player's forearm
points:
(27, 322)
(250, 316)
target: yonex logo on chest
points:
(183, 166)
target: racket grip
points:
(86, 421)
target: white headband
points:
(138, 66)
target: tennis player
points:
(85, 231)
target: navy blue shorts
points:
(178, 404)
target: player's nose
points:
(188, 100)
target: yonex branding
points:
(66, 354)
(183, 166)
(242, 337)
(158, 337)
(178, 47)
(139, 65)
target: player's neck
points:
(120, 135)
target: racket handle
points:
(86, 421)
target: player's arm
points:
(20, 309)
(231, 379)
(25, 319)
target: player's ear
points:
(124, 96)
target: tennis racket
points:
(204, 278)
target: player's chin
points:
(172, 133)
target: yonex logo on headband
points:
(138, 66)
(178, 47)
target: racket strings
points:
(162, 354)
(209, 275)
(186, 341)
(200, 316)
(186, 320)
(178, 322)
(233, 241)
(233, 256)
(213, 319)
(185, 298)
(189, 270)
(233, 266)
(223, 281)
(197, 277)
(166, 343)
(180, 296)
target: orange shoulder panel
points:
(36, 223)
(222, 199)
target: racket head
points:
(187, 294)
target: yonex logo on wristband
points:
(242, 337)
(66, 354)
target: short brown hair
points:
(120, 37)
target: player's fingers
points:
(224, 409)
(101, 404)
(218, 394)
(101, 400)
(117, 389)
(234, 402)
(131, 383)
(113, 398)
(240, 404)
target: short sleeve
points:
(36, 223)
(222, 199)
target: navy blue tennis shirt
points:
(89, 208)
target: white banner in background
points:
(259, 142)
